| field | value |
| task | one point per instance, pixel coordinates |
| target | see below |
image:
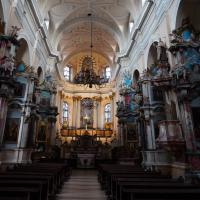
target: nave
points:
(82, 185)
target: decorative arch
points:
(148, 48)
(136, 76)
(25, 41)
(40, 74)
(175, 12)
(152, 55)
(187, 8)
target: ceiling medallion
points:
(87, 76)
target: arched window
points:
(108, 72)
(143, 2)
(131, 24)
(107, 112)
(46, 21)
(67, 71)
(65, 112)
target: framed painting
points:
(12, 130)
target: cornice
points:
(138, 27)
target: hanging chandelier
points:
(87, 76)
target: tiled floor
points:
(82, 184)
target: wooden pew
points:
(42, 185)
(161, 193)
(30, 177)
(28, 193)
(47, 177)
(121, 181)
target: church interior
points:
(100, 96)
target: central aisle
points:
(83, 184)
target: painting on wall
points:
(45, 98)
(131, 132)
(42, 130)
(12, 130)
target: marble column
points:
(74, 112)
(3, 115)
(150, 135)
(78, 112)
(121, 134)
(23, 130)
(95, 112)
(61, 109)
(112, 110)
(98, 114)
(188, 126)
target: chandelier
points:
(87, 76)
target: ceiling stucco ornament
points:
(69, 25)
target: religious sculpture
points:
(185, 46)
(161, 67)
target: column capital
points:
(79, 97)
(75, 98)
(99, 99)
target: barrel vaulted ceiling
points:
(70, 25)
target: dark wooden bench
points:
(28, 193)
(42, 185)
(40, 181)
(110, 180)
(161, 193)
(151, 185)
(30, 177)
(121, 181)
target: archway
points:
(22, 53)
(152, 56)
(40, 74)
(189, 8)
(136, 76)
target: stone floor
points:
(83, 184)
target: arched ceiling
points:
(71, 25)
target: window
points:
(143, 2)
(67, 73)
(108, 72)
(46, 21)
(107, 112)
(131, 26)
(65, 112)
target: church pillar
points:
(23, 131)
(100, 116)
(74, 112)
(95, 112)
(3, 115)
(78, 112)
(113, 110)
(60, 109)
(188, 128)
(150, 135)
(122, 134)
